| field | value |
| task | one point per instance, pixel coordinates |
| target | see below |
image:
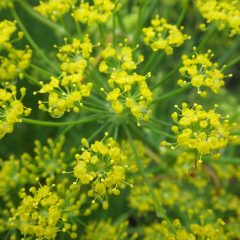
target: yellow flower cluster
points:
(163, 231)
(42, 213)
(107, 230)
(13, 61)
(49, 159)
(205, 132)
(7, 28)
(54, 9)
(39, 214)
(202, 72)
(66, 92)
(164, 36)
(129, 89)
(207, 229)
(99, 12)
(140, 199)
(127, 150)
(102, 166)
(11, 109)
(224, 13)
(13, 175)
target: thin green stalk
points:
(142, 136)
(40, 70)
(183, 13)
(150, 60)
(44, 20)
(229, 52)
(160, 122)
(31, 41)
(90, 109)
(99, 130)
(58, 124)
(116, 130)
(160, 211)
(114, 29)
(170, 94)
(232, 63)
(79, 32)
(206, 37)
(121, 23)
(101, 32)
(32, 80)
(152, 127)
(65, 28)
(164, 78)
(139, 23)
(224, 160)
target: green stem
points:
(40, 70)
(142, 136)
(170, 94)
(116, 130)
(31, 41)
(152, 127)
(139, 23)
(32, 80)
(183, 13)
(206, 37)
(69, 36)
(30, 11)
(101, 32)
(160, 122)
(96, 110)
(229, 52)
(79, 32)
(160, 211)
(232, 63)
(121, 23)
(58, 124)
(223, 160)
(151, 59)
(114, 29)
(99, 130)
(166, 76)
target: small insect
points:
(193, 171)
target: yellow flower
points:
(164, 36)
(11, 109)
(13, 61)
(128, 89)
(205, 132)
(66, 92)
(202, 73)
(7, 28)
(55, 9)
(102, 166)
(99, 12)
(107, 230)
(223, 13)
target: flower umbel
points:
(164, 36)
(205, 132)
(54, 9)
(66, 92)
(202, 73)
(102, 166)
(129, 89)
(11, 109)
(223, 13)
